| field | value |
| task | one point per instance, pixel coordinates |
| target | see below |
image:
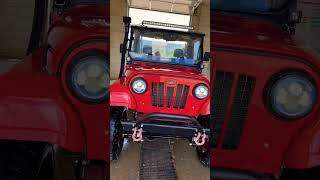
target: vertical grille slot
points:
(161, 94)
(178, 96)
(154, 94)
(159, 90)
(184, 97)
(239, 111)
(219, 102)
(169, 96)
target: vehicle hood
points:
(76, 26)
(88, 16)
(253, 34)
(163, 69)
(79, 21)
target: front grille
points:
(181, 95)
(170, 91)
(239, 112)
(219, 102)
(161, 94)
(184, 97)
(221, 98)
(178, 96)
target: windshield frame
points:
(87, 2)
(189, 33)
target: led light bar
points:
(166, 25)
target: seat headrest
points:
(178, 53)
(147, 49)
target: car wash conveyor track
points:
(156, 160)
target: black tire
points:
(116, 132)
(306, 174)
(203, 151)
(46, 164)
(17, 162)
(26, 161)
(203, 155)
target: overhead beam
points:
(191, 5)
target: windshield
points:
(88, 1)
(250, 6)
(166, 47)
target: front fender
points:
(120, 95)
(205, 110)
(304, 150)
(32, 108)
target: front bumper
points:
(165, 125)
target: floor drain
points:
(156, 161)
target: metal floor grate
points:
(156, 161)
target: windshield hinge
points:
(60, 5)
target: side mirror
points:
(126, 20)
(295, 17)
(206, 56)
(121, 47)
(59, 3)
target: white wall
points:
(16, 18)
(118, 10)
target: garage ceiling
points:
(171, 6)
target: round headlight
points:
(139, 86)
(89, 77)
(292, 96)
(201, 91)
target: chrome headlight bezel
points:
(290, 80)
(196, 88)
(136, 80)
(82, 63)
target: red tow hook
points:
(137, 136)
(203, 140)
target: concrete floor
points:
(186, 161)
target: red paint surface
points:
(38, 105)
(267, 142)
(122, 95)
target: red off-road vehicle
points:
(53, 104)
(161, 91)
(265, 93)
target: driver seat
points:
(178, 53)
(147, 50)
